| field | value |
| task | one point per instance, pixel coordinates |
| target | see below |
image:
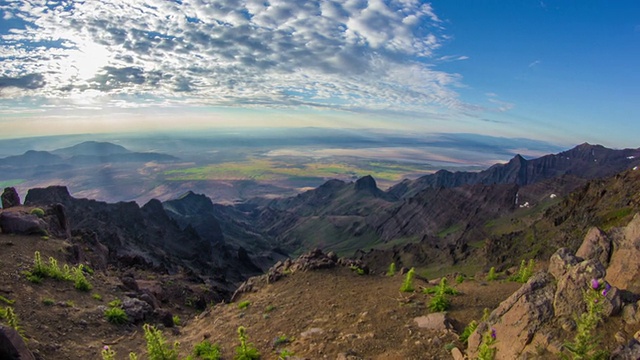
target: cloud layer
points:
(349, 55)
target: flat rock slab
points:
(435, 321)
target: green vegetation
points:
(269, 308)
(10, 183)
(206, 350)
(392, 269)
(281, 340)
(115, 314)
(285, 354)
(48, 301)
(40, 271)
(246, 351)
(37, 212)
(6, 301)
(407, 285)
(460, 279)
(486, 351)
(468, 330)
(157, 347)
(357, 269)
(440, 302)
(450, 230)
(585, 344)
(244, 304)
(96, 296)
(9, 317)
(176, 320)
(524, 272)
(492, 276)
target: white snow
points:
(635, 168)
(631, 157)
(553, 196)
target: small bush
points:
(246, 351)
(9, 317)
(459, 279)
(392, 269)
(468, 330)
(486, 351)
(524, 272)
(269, 308)
(96, 296)
(6, 301)
(116, 315)
(492, 276)
(176, 320)
(48, 301)
(79, 280)
(407, 285)
(37, 212)
(157, 347)
(244, 304)
(115, 303)
(207, 351)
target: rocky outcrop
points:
(12, 346)
(624, 270)
(10, 198)
(597, 246)
(22, 223)
(517, 319)
(569, 294)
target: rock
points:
(12, 346)
(629, 314)
(130, 283)
(630, 351)
(569, 295)
(165, 316)
(613, 302)
(136, 309)
(58, 221)
(620, 338)
(561, 261)
(10, 198)
(312, 332)
(517, 319)
(436, 321)
(624, 268)
(457, 354)
(596, 245)
(21, 223)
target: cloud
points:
(346, 55)
(534, 63)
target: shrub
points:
(11, 319)
(468, 330)
(116, 315)
(79, 280)
(96, 296)
(48, 301)
(244, 304)
(407, 285)
(524, 272)
(37, 212)
(269, 308)
(439, 302)
(176, 320)
(486, 351)
(6, 301)
(585, 343)
(157, 347)
(459, 279)
(442, 288)
(392, 269)
(246, 351)
(207, 351)
(492, 274)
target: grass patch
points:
(244, 304)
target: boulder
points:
(624, 268)
(517, 319)
(12, 346)
(10, 198)
(569, 296)
(21, 223)
(436, 321)
(561, 261)
(136, 309)
(596, 245)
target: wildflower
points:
(493, 333)
(595, 284)
(607, 287)
(106, 348)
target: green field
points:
(9, 183)
(273, 170)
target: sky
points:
(560, 71)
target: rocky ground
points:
(320, 307)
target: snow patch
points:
(635, 168)
(553, 196)
(525, 205)
(631, 157)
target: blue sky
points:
(561, 71)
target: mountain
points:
(583, 161)
(31, 158)
(92, 148)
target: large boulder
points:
(20, 223)
(596, 245)
(137, 310)
(10, 198)
(624, 268)
(561, 261)
(569, 296)
(12, 346)
(517, 319)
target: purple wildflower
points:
(607, 287)
(493, 333)
(595, 284)
(106, 348)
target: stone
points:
(629, 312)
(435, 321)
(624, 268)
(596, 245)
(517, 319)
(10, 198)
(312, 332)
(136, 309)
(12, 346)
(561, 261)
(21, 223)
(569, 297)
(457, 354)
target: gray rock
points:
(136, 309)
(629, 314)
(569, 297)
(10, 198)
(596, 245)
(21, 223)
(12, 346)
(561, 261)
(435, 321)
(624, 268)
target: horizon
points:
(542, 70)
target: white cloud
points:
(351, 55)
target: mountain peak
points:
(366, 183)
(95, 148)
